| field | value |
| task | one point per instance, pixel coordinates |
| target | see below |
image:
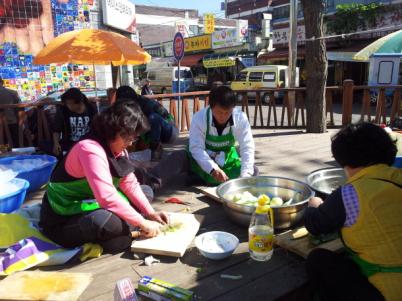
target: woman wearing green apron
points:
(215, 134)
(366, 211)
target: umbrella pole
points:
(96, 88)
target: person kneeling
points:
(366, 211)
(90, 190)
(214, 133)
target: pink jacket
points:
(88, 159)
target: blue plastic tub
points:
(398, 162)
(36, 176)
(13, 200)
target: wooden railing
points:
(344, 104)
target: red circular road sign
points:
(178, 46)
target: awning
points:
(341, 56)
(280, 54)
(191, 59)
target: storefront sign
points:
(182, 27)
(119, 14)
(247, 61)
(281, 36)
(197, 43)
(225, 38)
(209, 23)
(242, 30)
(219, 62)
(168, 48)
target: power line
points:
(344, 35)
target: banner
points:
(242, 30)
(225, 38)
(182, 27)
(119, 14)
(218, 62)
(197, 43)
(209, 23)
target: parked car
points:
(164, 80)
(263, 76)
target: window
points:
(255, 76)
(241, 77)
(282, 76)
(385, 70)
(269, 77)
(184, 74)
(151, 75)
(330, 4)
(144, 75)
(281, 12)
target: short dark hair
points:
(124, 118)
(222, 96)
(126, 92)
(74, 94)
(363, 144)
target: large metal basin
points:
(285, 216)
(324, 181)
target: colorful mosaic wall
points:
(19, 17)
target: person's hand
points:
(150, 228)
(56, 149)
(160, 217)
(219, 175)
(30, 29)
(315, 202)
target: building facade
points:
(27, 26)
(340, 50)
(37, 23)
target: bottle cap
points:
(262, 208)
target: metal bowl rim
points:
(311, 174)
(312, 193)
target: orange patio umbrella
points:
(92, 47)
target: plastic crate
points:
(12, 201)
(37, 177)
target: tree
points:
(315, 65)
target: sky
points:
(203, 6)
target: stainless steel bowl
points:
(294, 192)
(324, 181)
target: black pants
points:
(173, 165)
(336, 277)
(100, 226)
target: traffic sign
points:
(178, 46)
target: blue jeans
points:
(161, 130)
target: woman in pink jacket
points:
(93, 194)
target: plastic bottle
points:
(260, 232)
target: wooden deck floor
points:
(288, 153)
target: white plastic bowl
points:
(216, 244)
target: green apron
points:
(217, 144)
(368, 269)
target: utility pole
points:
(292, 43)
(292, 56)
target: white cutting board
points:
(210, 192)
(170, 243)
(46, 286)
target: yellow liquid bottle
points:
(261, 232)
